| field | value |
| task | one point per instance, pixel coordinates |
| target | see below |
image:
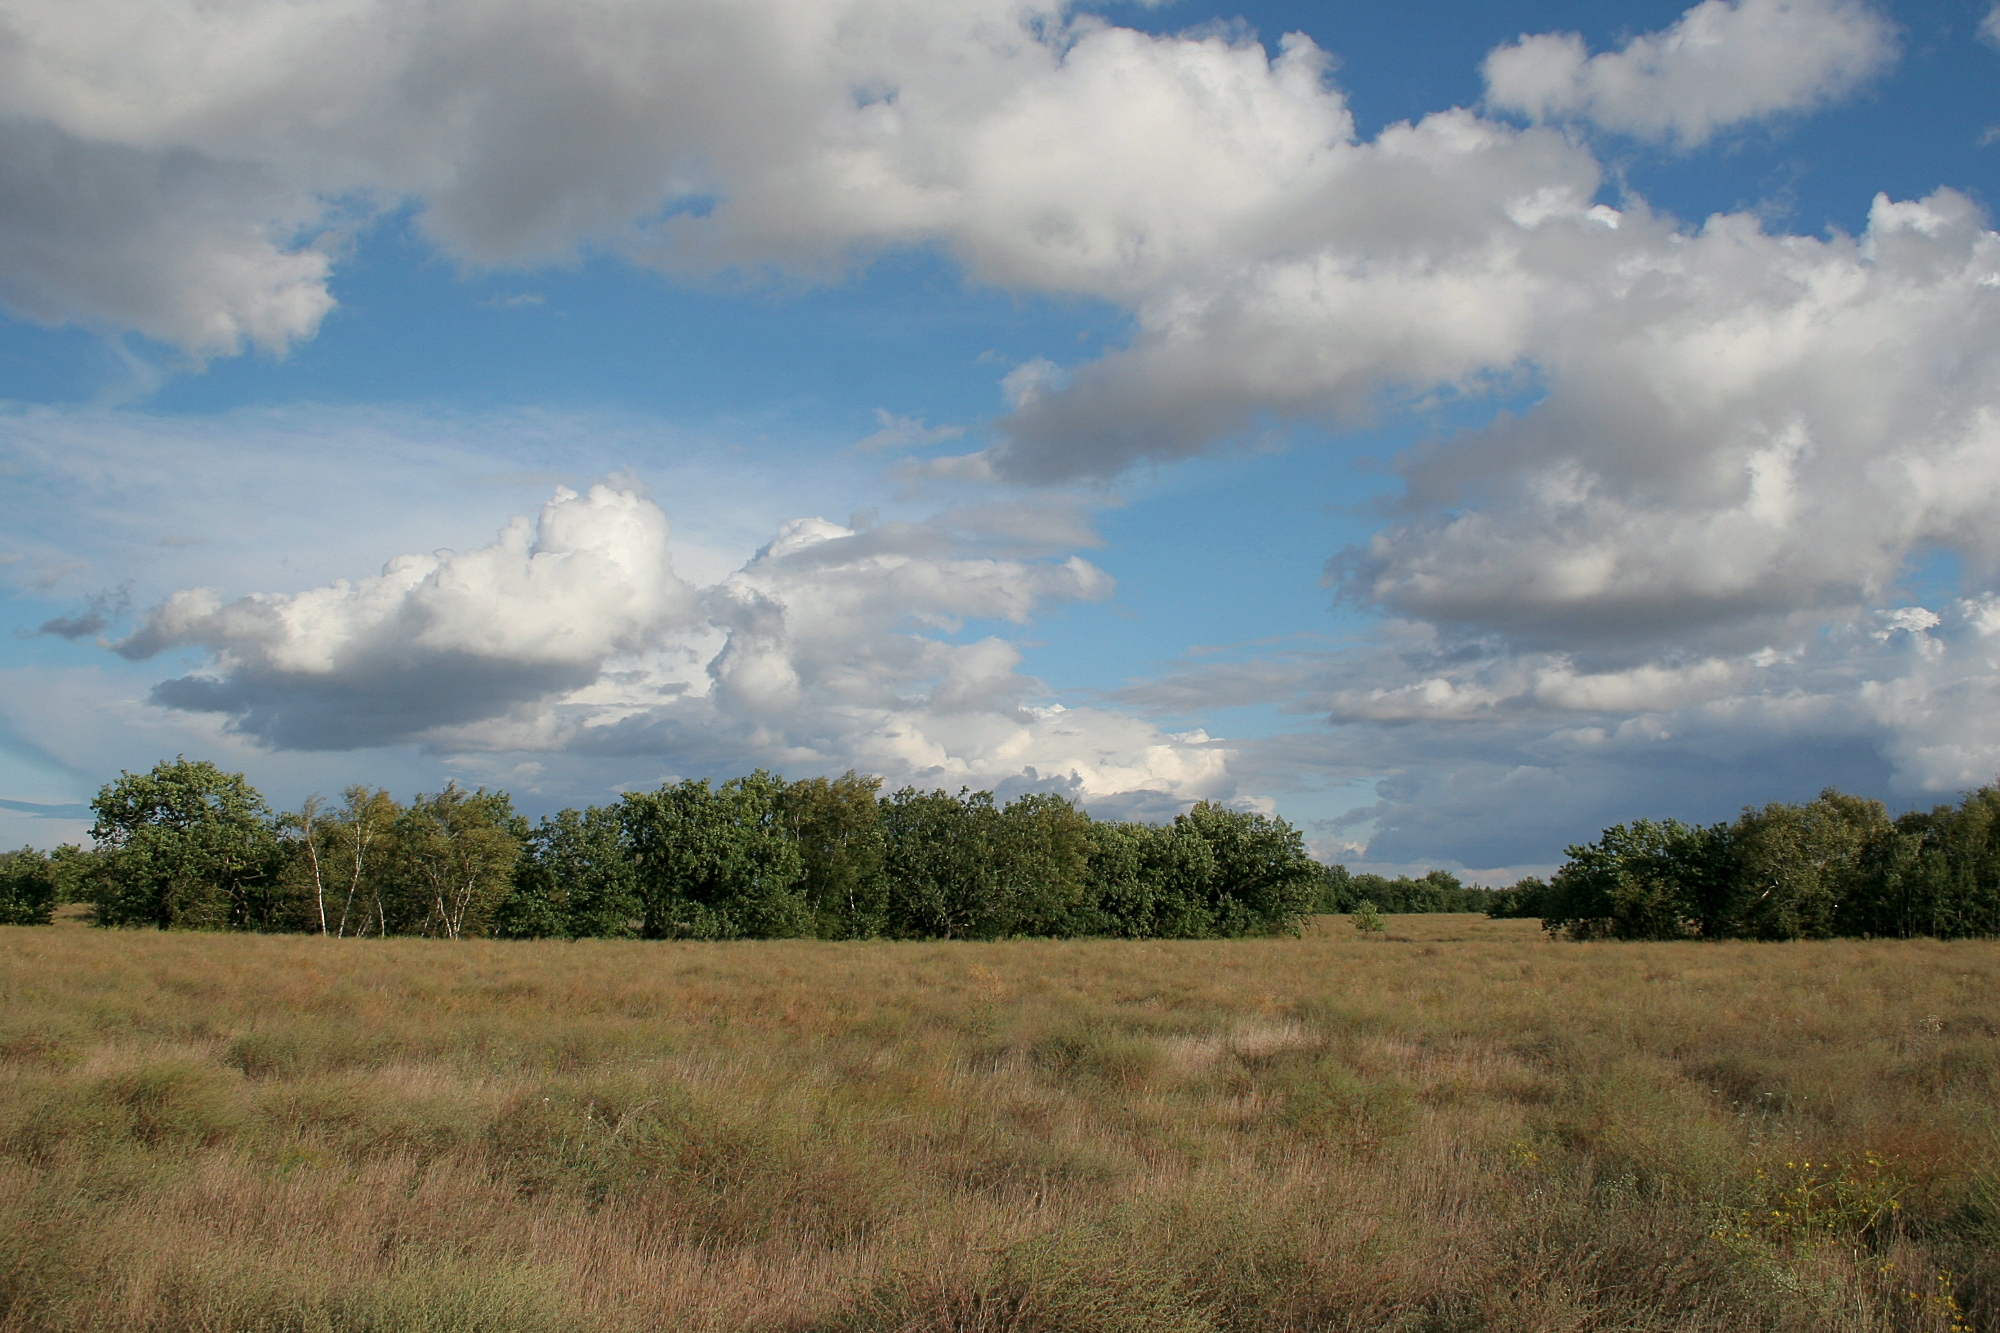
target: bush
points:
(1836, 865)
(28, 889)
(185, 846)
(1437, 891)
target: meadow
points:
(1460, 1125)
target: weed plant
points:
(1453, 1125)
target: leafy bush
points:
(1836, 865)
(1437, 891)
(28, 889)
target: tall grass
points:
(1460, 1126)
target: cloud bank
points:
(185, 169)
(831, 648)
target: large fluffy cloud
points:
(1047, 152)
(831, 648)
(205, 145)
(1726, 62)
(1748, 428)
(434, 640)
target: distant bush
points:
(1525, 899)
(189, 846)
(1439, 891)
(1834, 866)
(27, 888)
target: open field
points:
(1462, 1126)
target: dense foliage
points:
(1438, 891)
(1835, 866)
(188, 846)
(31, 884)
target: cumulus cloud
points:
(1732, 427)
(1725, 63)
(200, 147)
(1757, 427)
(831, 648)
(1428, 257)
(433, 640)
(174, 244)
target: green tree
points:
(1934, 872)
(837, 826)
(449, 863)
(186, 846)
(1263, 882)
(1527, 898)
(28, 888)
(938, 855)
(1644, 881)
(359, 842)
(1120, 893)
(303, 881)
(1334, 892)
(1041, 868)
(1795, 864)
(1180, 865)
(1434, 891)
(575, 879)
(717, 863)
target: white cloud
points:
(1428, 257)
(1065, 155)
(831, 648)
(178, 245)
(1725, 63)
(1753, 427)
(1989, 27)
(434, 640)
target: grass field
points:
(1462, 1126)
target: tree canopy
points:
(1837, 865)
(757, 857)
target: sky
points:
(1452, 427)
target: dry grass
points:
(1457, 1127)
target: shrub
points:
(28, 888)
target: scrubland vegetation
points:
(1835, 866)
(187, 846)
(1458, 1124)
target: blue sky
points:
(1453, 427)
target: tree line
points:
(188, 846)
(1438, 891)
(1837, 866)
